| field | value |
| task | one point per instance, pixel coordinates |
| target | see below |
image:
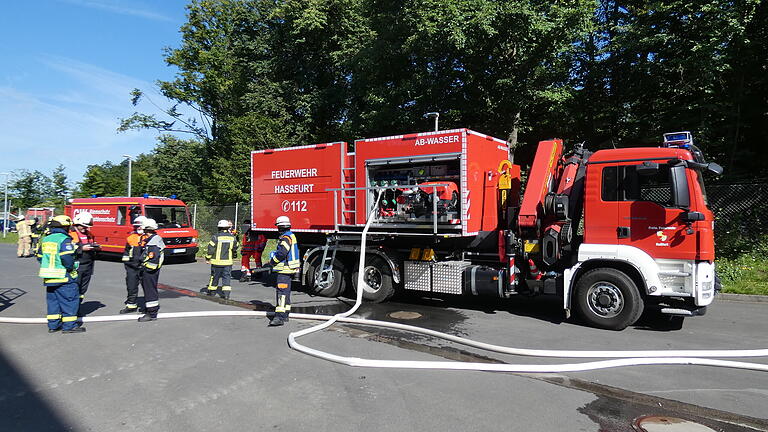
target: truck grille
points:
(177, 240)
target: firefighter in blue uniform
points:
(58, 268)
(151, 246)
(285, 262)
(221, 250)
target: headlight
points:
(194, 239)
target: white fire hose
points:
(618, 358)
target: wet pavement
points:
(236, 374)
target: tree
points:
(60, 185)
(175, 168)
(29, 188)
(93, 182)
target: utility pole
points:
(130, 160)
(5, 205)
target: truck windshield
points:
(168, 216)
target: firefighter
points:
(221, 250)
(23, 228)
(86, 250)
(253, 246)
(152, 246)
(132, 263)
(58, 268)
(36, 229)
(285, 262)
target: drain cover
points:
(669, 424)
(404, 315)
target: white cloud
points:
(76, 124)
(116, 6)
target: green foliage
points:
(747, 272)
(61, 185)
(29, 188)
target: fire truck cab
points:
(112, 218)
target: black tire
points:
(607, 298)
(378, 285)
(338, 283)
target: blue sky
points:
(66, 70)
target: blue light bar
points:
(678, 139)
(173, 196)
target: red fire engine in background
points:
(612, 232)
(112, 217)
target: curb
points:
(743, 298)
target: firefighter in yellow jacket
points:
(285, 262)
(222, 249)
(58, 268)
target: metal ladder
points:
(325, 277)
(345, 184)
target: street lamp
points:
(436, 115)
(5, 205)
(129, 172)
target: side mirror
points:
(714, 168)
(692, 216)
(647, 168)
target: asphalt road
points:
(235, 374)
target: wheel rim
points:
(324, 283)
(372, 278)
(605, 299)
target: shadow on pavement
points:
(8, 295)
(90, 306)
(24, 409)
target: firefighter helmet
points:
(283, 221)
(61, 221)
(224, 224)
(85, 219)
(149, 224)
(138, 220)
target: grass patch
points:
(747, 274)
(10, 237)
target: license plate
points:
(179, 250)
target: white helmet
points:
(84, 218)
(224, 224)
(283, 221)
(138, 220)
(149, 224)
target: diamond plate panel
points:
(447, 276)
(417, 276)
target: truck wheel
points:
(378, 285)
(607, 298)
(332, 285)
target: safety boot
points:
(50, 330)
(127, 310)
(245, 277)
(147, 317)
(205, 291)
(75, 330)
(224, 295)
(276, 321)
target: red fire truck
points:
(612, 232)
(112, 217)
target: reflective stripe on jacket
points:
(253, 242)
(285, 259)
(152, 246)
(56, 256)
(222, 249)
(132, 251)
